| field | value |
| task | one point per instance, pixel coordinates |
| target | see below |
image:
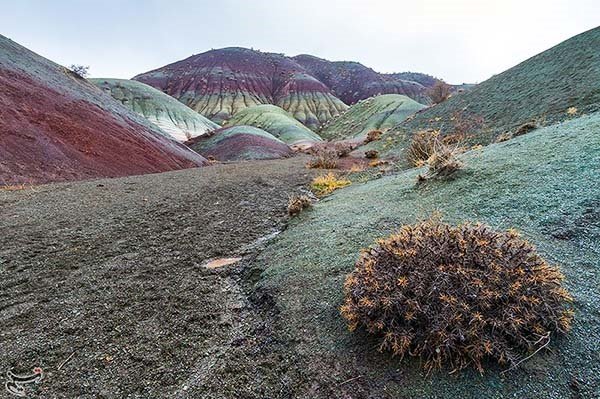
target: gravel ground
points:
(106, 277)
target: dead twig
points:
(66, 361)
(530, 356)
(350, 380)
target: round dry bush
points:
(456, 295)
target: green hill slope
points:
(276, 121)
(542, 88)
(375, 113)
(175, 118)
(544, 184)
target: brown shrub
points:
(440, 92)
(297, 203)
(371, 154)
(421, 146)
(373, 135)
(525, 128)
(504, 137)
(443, 162)
(343, 149)
(456, 295)
(521, 130)
(323, 158)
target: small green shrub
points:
(456, 295)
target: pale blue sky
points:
(460, 41)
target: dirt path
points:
(108, 275)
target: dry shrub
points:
(13, 187)
(371, 154)
(429, 148)
(323, 158)
(440, 92)
(456, 295)
(342, 149)
(504, 137)
(297, 203)
(17, 186)
(421, 146)
(373, 135)
(326, 184)
(525, 128)
(521, 130)
(443, 162)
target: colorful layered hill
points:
(558, 84)
(56, 126)
(240, 143)
(220, 83)
(179, 121)
(277, 122)
(352, 81)
(376, 113)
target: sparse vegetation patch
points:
(326, 184)
(456, 295)
(297, 203)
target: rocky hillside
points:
(57, 126)
(180, 122)
(220, 83)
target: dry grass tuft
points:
(326, 184)
(443, 162)
(457, 295)
(342, 149)
(441, 154)
(422, 147)
(373, 135)
(323, 158)
(297, 203)
(356, 168)
(371, 154)
(17, 187)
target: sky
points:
(456, 40)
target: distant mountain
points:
(219, 83)
(56, 126)
(179, 121)
(352, 81)
(421, 78)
